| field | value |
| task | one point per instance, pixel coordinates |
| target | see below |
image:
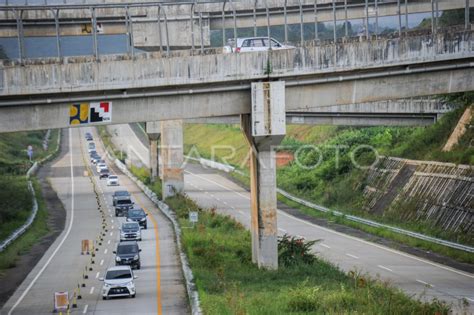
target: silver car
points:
(249, 44)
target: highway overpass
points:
(262, 88)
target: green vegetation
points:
(14, 193)
(219, 252)
(109, 146)
(143, 174)
(335, 182)
(38, 229)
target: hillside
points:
(328, 175)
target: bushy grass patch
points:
(219, 251)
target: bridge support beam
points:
(172, 157)
(153, 130)
(264, 129)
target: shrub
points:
(293, 250)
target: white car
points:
(101, 166)
(90, 147)
(118, 281)
(112, 180)
(248, 44)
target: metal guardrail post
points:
(167, 34)
(94, 34)
(346, 29)
(467, 22)
(399, 19)
(192, 25)
(223, 24)
(159, 29)
(376, 19)
(316, 35)
(267, 11)
(334, 20)
(301, 23)
(19, 29)
(366, 10)
(255, 18)
(130, 31)
(235, 20)
(432, 18)
(406, 17)
(58, 40)
(202, 33)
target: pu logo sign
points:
(85, 113)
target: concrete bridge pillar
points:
(153, 130)
(264, 129)
(172, 157)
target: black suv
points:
(128, 253)
(119, 193)
(137, 215)
(122, 205)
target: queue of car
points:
(119, 280)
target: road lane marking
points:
(108, 242)
(377, 246)
(111, 233)
(28, 288)
(472, 300)
(97, 274)
(324, 245)
(283, 230)
(157, 256)
(112, 220)
(383, 267)
(241, 212)
(101, 262)
(92, 290)
(106, 250)
(423, 282)
(347, 236)
(353, 256)
(85, 309)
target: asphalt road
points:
(160, 284)
(418, 277)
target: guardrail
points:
(466, 248)
(18, 232)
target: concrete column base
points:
(264, 129)
(153, 130)
(171, 150)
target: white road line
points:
(423, 282)
(225, 202)
(383, 267)
(111, 233)
(112, 229)
(348, 236)
(226, 188)
(355, 257)
(97, 275)
(108, 242)
(241, 212)
(28, 288)
(85, 309)
(377, 246)
(112, 220)
(472, 300)
(324, 245)
(105, 251)
(92, 290)
(283, 230)
(101, 262)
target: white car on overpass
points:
(249, 44)
(118, 281)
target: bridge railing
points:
(44, 28)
